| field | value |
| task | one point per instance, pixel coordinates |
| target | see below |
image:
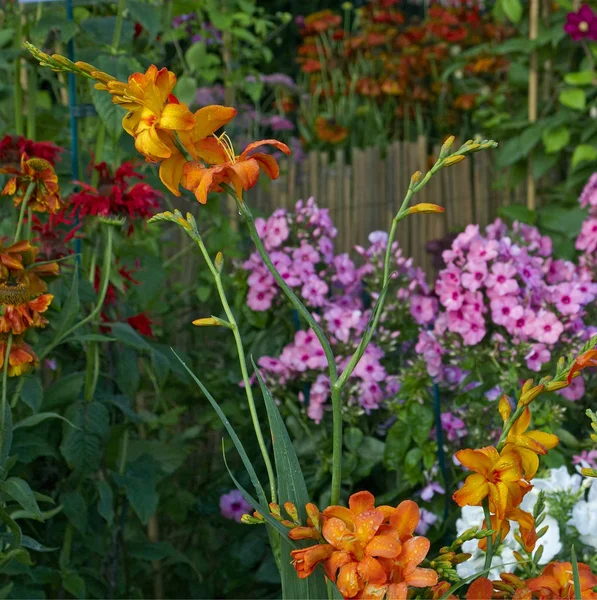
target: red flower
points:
(115, 196)
(12, 147)
(142, 323)
(54, 235)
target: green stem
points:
(107, 263)
(489, 550)
(5, 385)
(118, 28)
(124, 452)
(24, 203)
(18, 90)
(29, 224)
(243, 366)
(575, 575)
(31, 101)
(507, 426)
(92, 373)
(336, 445)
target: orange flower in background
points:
(556, 581)
(370, 552)
(21, 358)
(493, 472)
(241, 171)
(321, 21)
(391, 87)
(20, 311)
(327, 130)
(40, 172)
(588, 359)
(17, 263)
(465, 101)
(199, 142)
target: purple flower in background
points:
(233, 506)
(575, 391)
(586, 458)
(453, 426)
(209, 95)
(425, 522)
(538, 355)
(279, 79)
(182, 19)
(582, 24)
(430, 490)
(494, 393)
(278, 123)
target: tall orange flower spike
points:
(241, 171)
(370, 552)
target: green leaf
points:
(70, 308)
(186, 89)
(32, 393)
(6, 35)
(75, 510)
(170, 457)
(74, 584)
(575, 574)
(146, 15)
(398, 442)
(27, 447)
(27, 542)
(109, 113)
(579, 78)
(291, 488)
(17, 536)
(518, 212)
(64, 391)
(421, 418)
(413, 458)
(583, 153)
(34, 420)
(574, 98)
(562, 220)
(353, 438)
(556, 138)
(20, 492)
(512, 9)
(83, 447)
(124, 333)
(105, 504)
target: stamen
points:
(226, 143)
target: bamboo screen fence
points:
(363, 196)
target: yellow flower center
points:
(39, 164)
(14, 294)
(583, 26)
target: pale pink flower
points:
(501, 279)
(568, 298)
(259, 300)
(547, 328)
(475, 276)
(423, 309)
(537, 357)
(505, 310)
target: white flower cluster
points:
(584, 519)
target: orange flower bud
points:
(291, 510)
(314, 515)
(504, 408)
(206, 322)
(452, 160)
(425, 208)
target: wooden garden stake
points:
(533, 88)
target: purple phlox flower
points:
(233, 506)
(427, 520)
(430, 490)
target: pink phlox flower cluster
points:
(586, 242)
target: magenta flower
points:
(233, 506)
(259, 300)
(476, 273)
(586, 458)
(276, 232)
(575, 391)
(588, 196)
(505, 310)
(568, 298)
(501, 279)
(314, 291)
(537, 357)
(547, 328)
(582, 24)
(453, 426)
(423, 309)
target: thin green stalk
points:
(29, 224)
(489, 549)
(24, 203)
(18, 90)
(575, 575)
(294, 300)
(124, 452)
(5, 382)
(118, 28)
(31, 101)
(336, 445)
(106, 266)
(215, 271)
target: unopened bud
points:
(554, 386)
(303, 533)
(452, 160)
(206, 322)
(416, 177)
(446, 147)
(219, 261)
(425, 208)
(460, 558)
(313, 514)
(291, 511)
(538, 554)
(518, 556)
(64, 61)
(504, 408)
(249, 520)
(589, 472)
(275, 510)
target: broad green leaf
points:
(579, 78)
(584, 153)
(70, 308)
(66, 390)
(74, 584)
(421, 419)
(75, 509)
(574, 98)
(159, 551)
(398, 441)
(139, 482)
(149, 18)
(353, 437)
(512, 9)
(27, 542)
(518, 212)
(28, 446)
(291, 488)
(186, 89)
(83, 447)
(34, 420)
(19, 490)
(124, 333)
(105, 504)
(15, 530)
(32, 393)
(6, 35)
(109, 113)
(170, 457)
(554, 139)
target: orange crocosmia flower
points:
(327, 130)
(241, 171)
(480, 589)
(40, 172)
(199, 142)
(21, 358)
(556, 581)
(493, 471)
(439, 590)
(588, 359)
(529, 444)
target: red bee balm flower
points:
(142, 323)
(12, 148)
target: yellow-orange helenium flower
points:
(21, 358)
(493, 471)
(39, 172)
(18, 311)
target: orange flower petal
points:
(480, 589)
(198, 180)
(171, 172)
(245, 172)
(334, 562)
(547, 440)
(385, 546)
(475, 460)
(361, 502)
(422, 578)
(338, 534)
(150, 144)
(509, 466)
(397, 591)
(177, 117)
(268, 163)
(371, 571)
(275, 143)
(473, 491)
(340, 512)
(413, 552)
(348, 580)
(210, 118)
(405, 518)
(306, 559)
(210, 151)
(366, 525)
(374, 592)
(498, 498)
